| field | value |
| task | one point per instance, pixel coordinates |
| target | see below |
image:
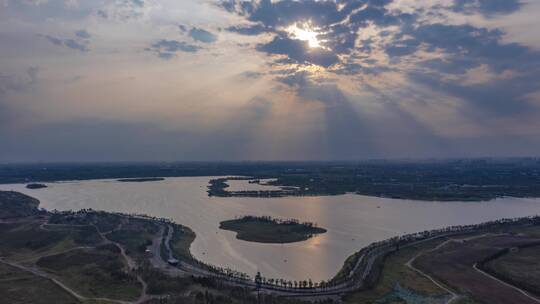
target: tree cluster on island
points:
(269, 219)
(36, 186)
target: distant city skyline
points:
(230, 80)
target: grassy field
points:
(260, 230)
(23, 240)
(20, 287)
(400, 284)
(93, 272)
(67, 247)
(134, 235)
(105, 222)
(519, 266)
(453, 263)
(181, 242)
(14, 204)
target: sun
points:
(306, 32)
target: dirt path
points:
(409, 264)
(36, 258)
(131, 265)
(456, 296)
(43, 224)
(506, 284)
(46, 276)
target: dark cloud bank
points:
(460, 47)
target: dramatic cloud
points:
(299, 51)
(168, 49)
(333, 25)
(270, 79)
(249, 30)
(419, 49)
(202, 35)
(487, 7)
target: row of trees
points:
(395, 242)
(261, 281)
(398, 241)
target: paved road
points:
(185, 268)
(157, 261)
(129, 263)
(364, 263)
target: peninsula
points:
(141, 180)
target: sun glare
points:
(305, 32)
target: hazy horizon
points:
(280, 161)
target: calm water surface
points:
(352, 221)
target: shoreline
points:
(204, 254)
(360, 272)
(386, 246)
(285, 193)
(268, 230)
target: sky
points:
(229, 80)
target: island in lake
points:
(141, 180)
(265, 229)
(36, 186)
(67, 257)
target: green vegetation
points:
(21, 287)
(400, 284)
(452, 265)
(459, 180)
(36, 186)
(135, 235)
(141, 180)
(269, 230)
(14, 204)
(217, 187)
(452, 180)
(84, 251)
(181, 242)
(94, 273)
(519, 266)
(160, 283)
(23, 239)
(103, 221)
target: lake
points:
(353, 221)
